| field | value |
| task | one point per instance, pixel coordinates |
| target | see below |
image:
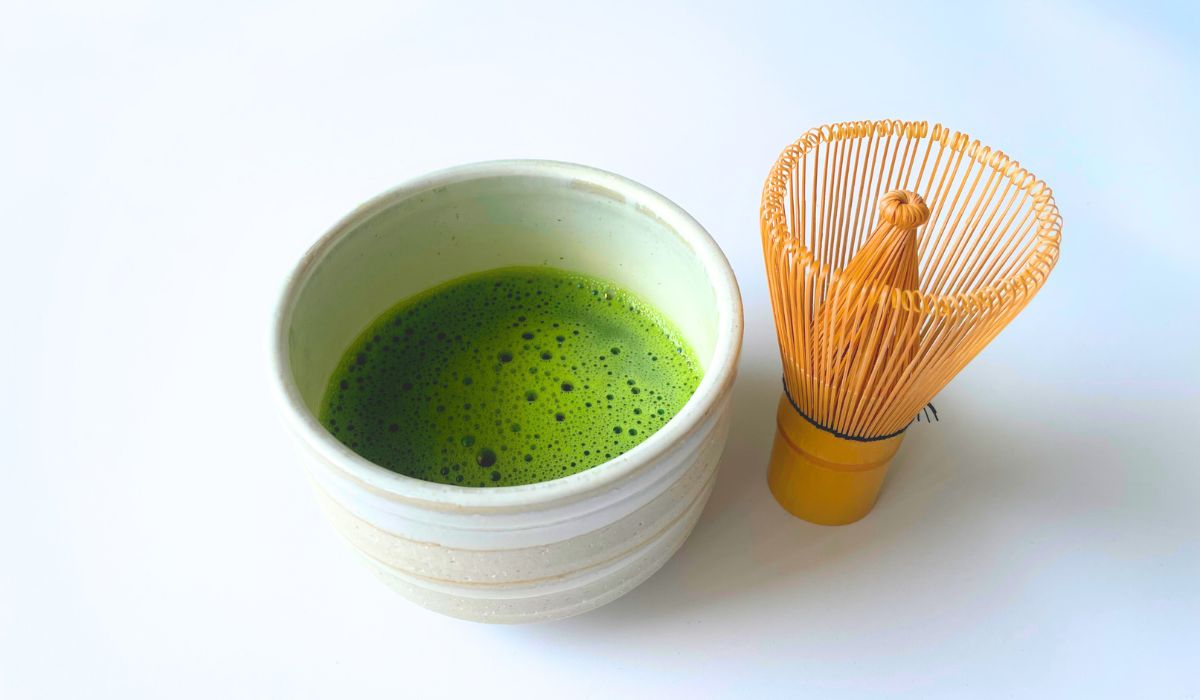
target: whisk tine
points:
(864, 355)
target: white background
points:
(162, 166)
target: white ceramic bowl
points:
(538, 551)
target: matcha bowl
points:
(538, 551)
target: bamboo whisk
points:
(894, 254)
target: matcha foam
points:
(512, 376)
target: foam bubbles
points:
(522, 375)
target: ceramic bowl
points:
(538, 551)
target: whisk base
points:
(823, 478)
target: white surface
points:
(162, 167)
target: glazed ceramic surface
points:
(539, 551)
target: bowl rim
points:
(715, 385)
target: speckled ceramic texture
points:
(538, 551)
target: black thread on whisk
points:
(837, 433)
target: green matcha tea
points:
(507, 377)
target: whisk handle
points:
(824, 478)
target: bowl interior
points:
(495, 215)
